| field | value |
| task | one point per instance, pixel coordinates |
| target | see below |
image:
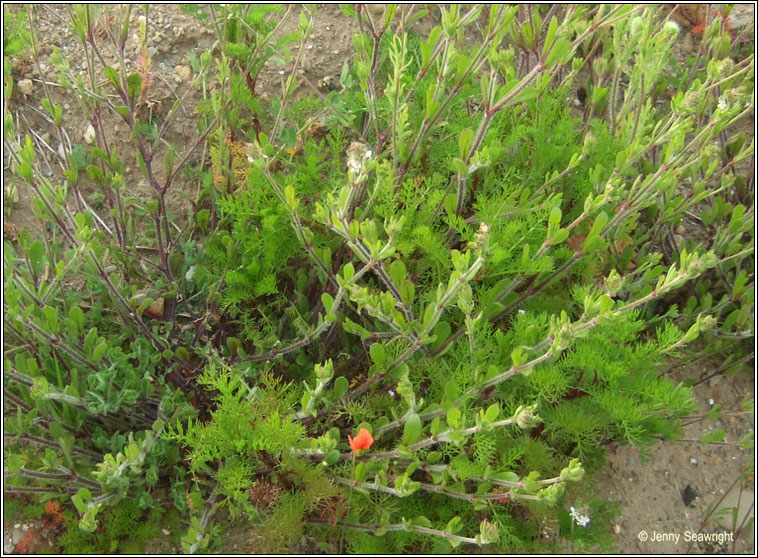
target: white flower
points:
(581, 520)
(723, 103)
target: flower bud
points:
(636, 27)
(613, 283)
(481, 240)
(726, 67)
(525, 417)
(574, 472)
(671, 28)
(488, 533)
(600, 65)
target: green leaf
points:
(526, 94)
(360, 472)
(35, 254)
(492, 412)
(451, 390)
(377, 354)
(341, 385)
(51, 317)
(454, 525)
(550, 35)
(559, 53)
(711, 437)
(113, 77)
(422, 521)
(15, 462)
(454, 417)
(559, 236)
(122, 111)
(459, 166)
(133, 86)
(506, 476)
(397, 272)
(465, 139)
(99, 351)
(56, 430)
(441, 332)
(555, 217)
(412, 429)
(288, 136)
(328, 301)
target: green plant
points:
(124, 529)
(444, 253)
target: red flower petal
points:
(362, 441)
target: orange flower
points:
(362, 441)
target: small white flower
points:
(723, 104)
(579, 519)
(521, 311)
(391, 393)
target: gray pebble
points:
(26, 86)
(17, 535)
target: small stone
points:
(166, 532)
(335, 51)
(66, 106)
(178, 31)
(376, 10)
(617, 529)
(152, 51)
(688, 45)
(89, 134)
(17, 535)
(184, 73)
(680, 229)
(693, 461)
(156, 308)
(9, 547)
(26, 86)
